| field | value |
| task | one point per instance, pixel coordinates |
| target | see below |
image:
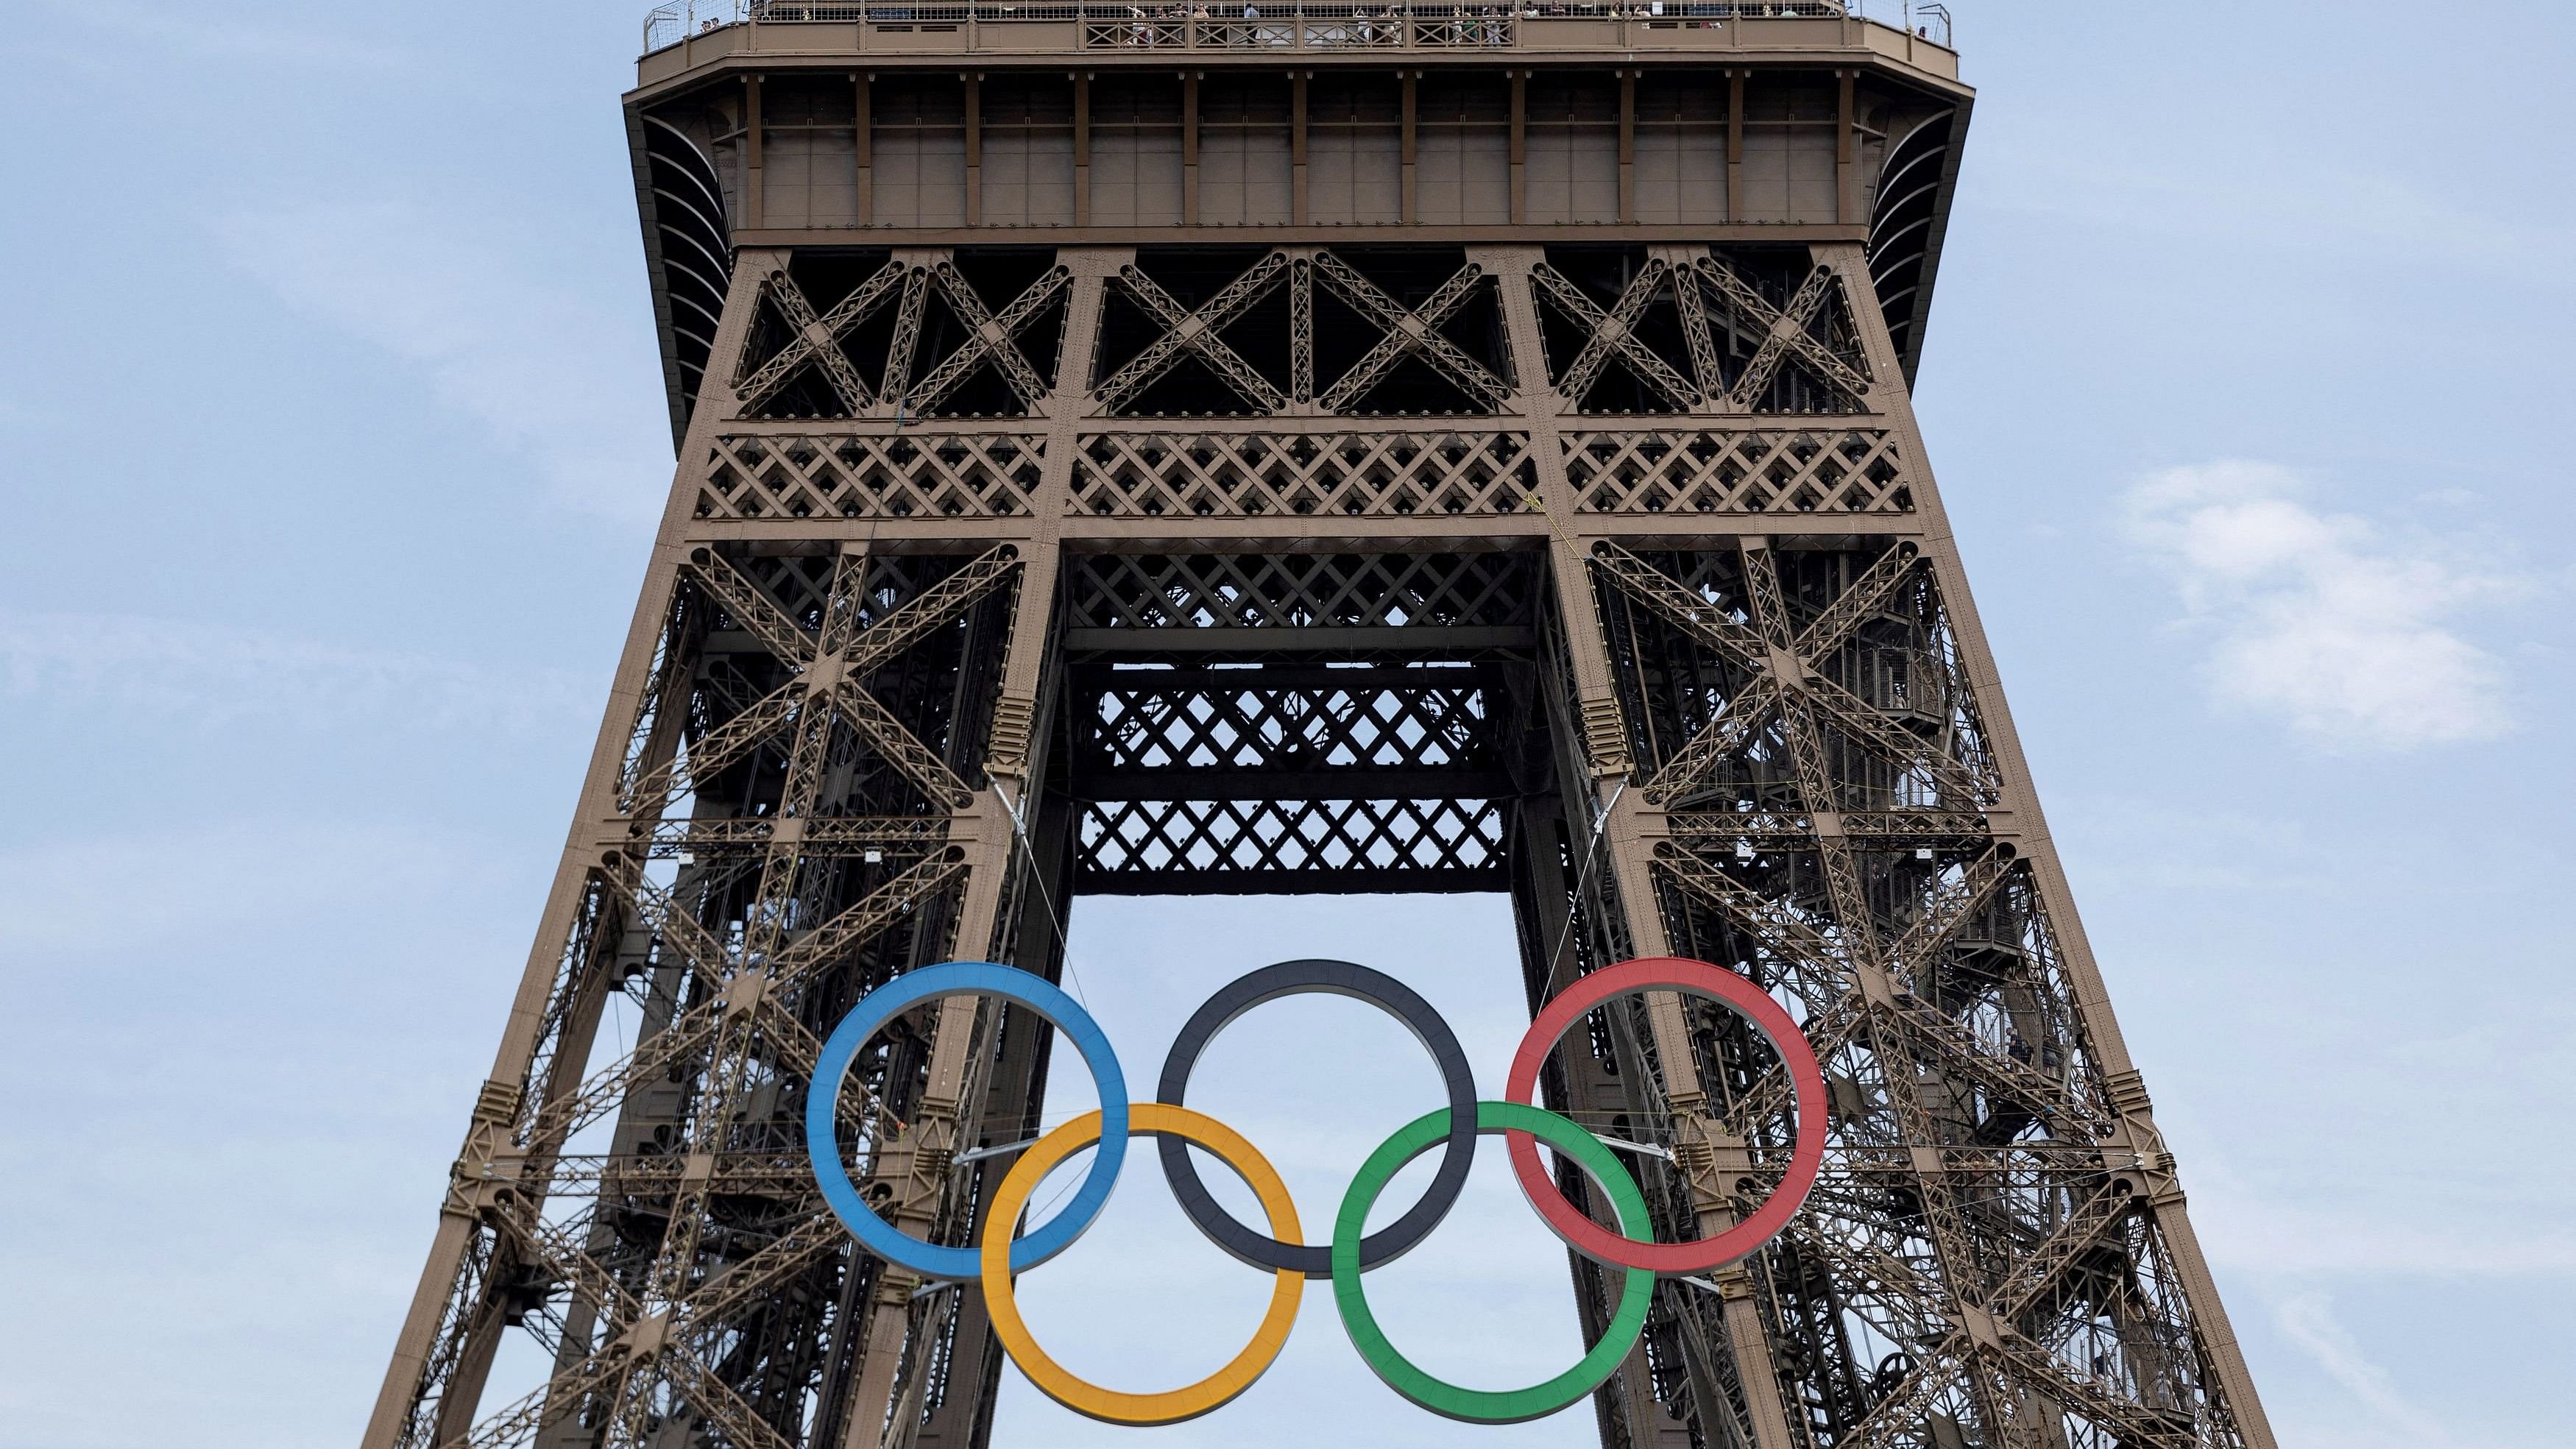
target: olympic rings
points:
(1671, 973)
(1341, 978)
(956, 978)
(1173, 1125)
(998, 1255)
(1489, 1406)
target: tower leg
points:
(1615, 824)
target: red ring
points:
(1670, 973)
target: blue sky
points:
(333, 432)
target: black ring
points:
(1341, 978)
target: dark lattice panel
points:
(1283, 773)
(1251, 475)
(1253, 847)
(1246, 591)
(1245, 733)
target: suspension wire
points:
(1582, 877)
(1064, 943)
(1046, 898)
(1073, 973)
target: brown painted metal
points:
(1641, 606)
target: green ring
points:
(1490, 1406)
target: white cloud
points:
(200, 674)
(2316, 618)
(2308, 1320)
(549, 373)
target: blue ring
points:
(957, 978)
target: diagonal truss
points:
(1691, 282)
(1786, 675)
(1708, 363)
(824, 677)
(1787, 332)
(1397, 332)
(688, 1036)
(1409, 333)
(817, 340)
(1612, 334)
(990, 338)
(1194, 333)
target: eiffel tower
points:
(1335, 448)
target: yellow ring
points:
(1109, 1405)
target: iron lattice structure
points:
(1444, 456)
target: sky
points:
(333, 429)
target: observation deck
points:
(677, 40)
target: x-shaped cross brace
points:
(818, 339)
(1785, 332)
(1188, 333)
(1963, 1353)
(1409, 333)
(838, 683)
(789, 972)
(1791, 940)
(663, 1346)
(1781, 674)
(1613, 334)
(989, 337)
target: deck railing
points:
(1278, 24)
